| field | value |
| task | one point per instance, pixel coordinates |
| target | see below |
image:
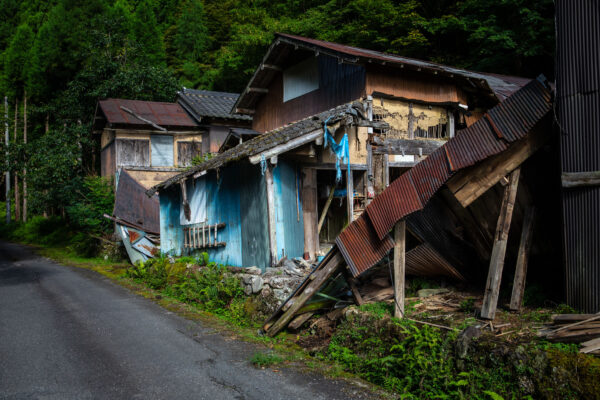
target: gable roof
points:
(365, 241)
(283, 45)
(167, 115)
(269, 140)
(206, 103)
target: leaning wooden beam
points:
(128, 111)
(320, 277)
(467, 185)
(325, 209)
(406, 146)
(492, 287)
(516, 299)
(353, 288)
(399, 267)
(580, 179)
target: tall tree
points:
(147, 35)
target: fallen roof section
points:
(266, 142)
(206, 103)
(166, 115)
(499, 85)
(365, 241)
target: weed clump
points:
(263, 360)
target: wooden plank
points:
(350, 195)
(309, 213)
(325, 209)
(492, 287)
(589, 349)
(271, 214)
(467, 185)
(299, 320)
(353, 288)
(569, 326)
(567, 318)
(516, 299)
(334, 263)
(580, 179)
(399, 267)
(406, 146)
(287, 146)
(592, 342)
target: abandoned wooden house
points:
(151, 140)
(285, 193)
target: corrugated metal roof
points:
(133, 206)
(206, 103)
(424, 260)
(167, 115)
(510, 121)
(501, 86)
(269, 140)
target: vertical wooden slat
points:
(271, 214)
(350, 193)
(208, 229)
(399, 267)
(516, 299)
(310, 212)
(216, 235)
(492, 287)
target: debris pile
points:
(583, 329)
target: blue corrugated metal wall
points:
(255, 225)
(171, 233)
(288, 207)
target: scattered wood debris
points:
(583, 329)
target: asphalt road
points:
(69, 333)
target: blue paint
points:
(171, 232)
(289, 228)
(162, 150)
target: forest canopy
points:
(64, 55)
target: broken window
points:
(186, 151)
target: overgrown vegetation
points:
(263, 360)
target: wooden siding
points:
(186, 151)
(107, 160)
(288, 210)
(412, 86)
(338, 84)
(255, 227)
(132, 152)
(171, 232)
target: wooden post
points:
(370, 188)
(310, 212)
(353, 288)
(516, 299)
(350, 193)
(399, 267)
(271, 213)
(7, 174)
(325, 209)
(386, 171)
(492, 287)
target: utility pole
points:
(6, 138)
(25, 168)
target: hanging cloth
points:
(341, 151)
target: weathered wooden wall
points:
(288, 210)
(338, 84)
(107, 160)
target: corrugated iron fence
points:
(578, 113)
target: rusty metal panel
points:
(134, 206)
(428, 177)
(424, 260)
(164, 114)
(397, 201)
(360, 245)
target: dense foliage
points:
(64, 55)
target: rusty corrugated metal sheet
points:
(134, 206)
(578, 114)
(163, 114)
(424, 260)
(508, 122)
(395, 202)
(360, 245)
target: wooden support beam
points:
(320, 277)
(270, 66)
(468, 184)
(353, 288)
(350, 195)
(406, 146)
(580, 179)
(399, 267)
(184, 200)
(492, 287)
(257, 90)
(310, 213)
(386, 170)
(370, 177)
(271, 214)
(128, 111)
(516, 299)
(239, 110)
(325, 209)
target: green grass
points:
(264, 360)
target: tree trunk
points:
(17, 197)
(25, 168)
(6, 139)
